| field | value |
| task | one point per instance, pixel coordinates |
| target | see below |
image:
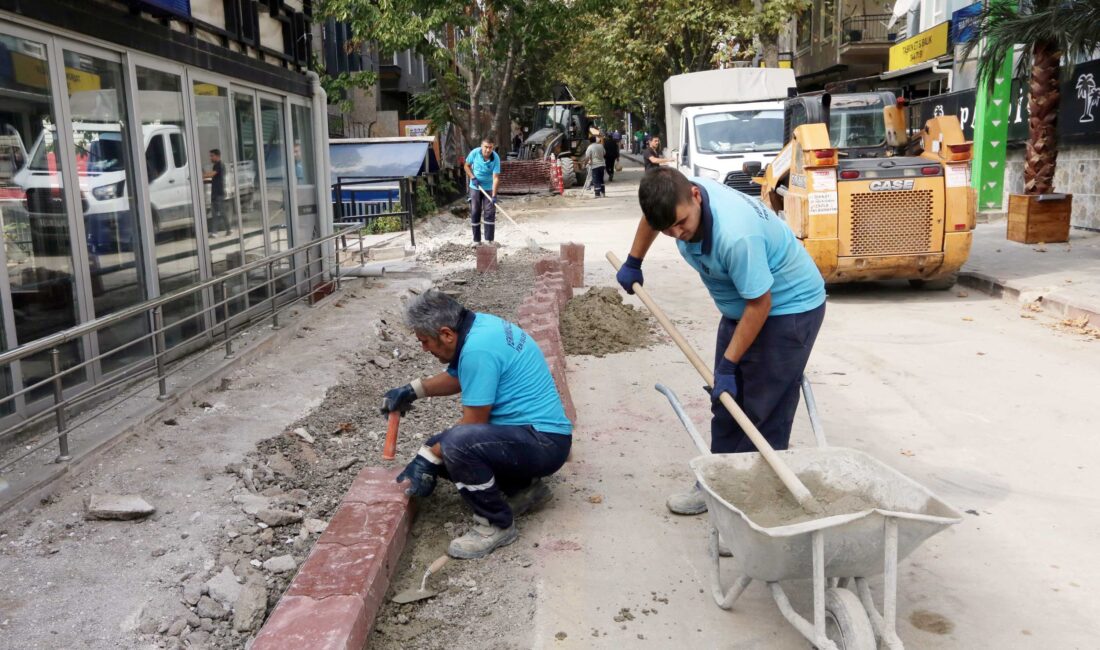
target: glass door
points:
(307, 225)
(40, 280)
(277, 158)
(102, 156)
(250, 192)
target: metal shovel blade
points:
(413, 595)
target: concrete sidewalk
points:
(1064, 277)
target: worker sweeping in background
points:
(483, 170)
(513, 429)
(764, 283)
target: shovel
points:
(531, 243)
(412, 595)
(789, 479)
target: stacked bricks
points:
(486, 258)
(333, 600)
(540, 314)
(525, 176)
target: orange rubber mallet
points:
(389, 450)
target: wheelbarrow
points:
(839, 553)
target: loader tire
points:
(568, 172)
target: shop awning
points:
(382, 158)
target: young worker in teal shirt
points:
(764, 283)
(513, 429)
(483, 170)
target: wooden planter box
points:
(1033, 219)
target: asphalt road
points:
(991, 408)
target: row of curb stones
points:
(333, 600)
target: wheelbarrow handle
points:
(684, 419)
(789, 479)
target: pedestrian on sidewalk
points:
(611, 145)
(652, 156)
(639, 140)
(513, 430)
(596, 159)
(769, 292)
(483, 170)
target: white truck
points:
(717, 120)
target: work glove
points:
(629, 273)
(475, 183)
(398, 399)
(494, 199)
(725, 379)
(421, 473)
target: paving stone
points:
(117, 506)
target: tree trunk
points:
(771, 52)
(1042, 105)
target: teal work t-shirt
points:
(499, 364)
(745, 250)
(483, 169)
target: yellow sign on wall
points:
(783, 63)
(925, 46)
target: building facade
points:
(146, 147)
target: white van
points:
(102, 175)
(717, 120)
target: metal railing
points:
(356, 199)
(305, 272)
(869, 29)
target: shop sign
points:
(925, 46)
(31, 72)
(964, 24)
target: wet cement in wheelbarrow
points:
(764, 499)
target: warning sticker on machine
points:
(957, 175)
(824, 180)
(822, 202)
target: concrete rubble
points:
(114, 506)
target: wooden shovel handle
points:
(801, 494)
(389, 449)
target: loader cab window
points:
(857, 121)
(797, 117)
(685, 146)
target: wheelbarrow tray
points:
(854, 543)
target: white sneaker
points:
(687, 503)
(482, 539)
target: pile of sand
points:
(599, 323)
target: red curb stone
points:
(574, 254)
(335, 596)
(299, 622)
(486, 258)
(546, 265)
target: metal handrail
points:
(78, 331)
(871, 27)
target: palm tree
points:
(1050, 31)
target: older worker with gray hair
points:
(513, 428)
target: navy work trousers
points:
(769, 377)
(482, 208)
(486, 462)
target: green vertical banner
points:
(991, 115)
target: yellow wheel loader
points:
(867, 201)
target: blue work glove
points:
(421, 473)
(629, 273)
(475, 183)
(398, 399)
(725, 379)
(494, 197)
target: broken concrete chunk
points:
(281, 564)
(249, 612)
(177, 626)
(304, 435)
(280, 465)
(314, 526)
(277, 517)
(116, 506)
(252, 503)
(224, 587)
(193, 590)
(209, 608)
(382, 362)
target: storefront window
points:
(223, 179)
(101, 142)
(278, 188)
(168, 164)
(34, 212)
(252, 215)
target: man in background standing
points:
(611, 145)
(216, 176)
(483, 170)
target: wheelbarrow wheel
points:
(846, 622)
